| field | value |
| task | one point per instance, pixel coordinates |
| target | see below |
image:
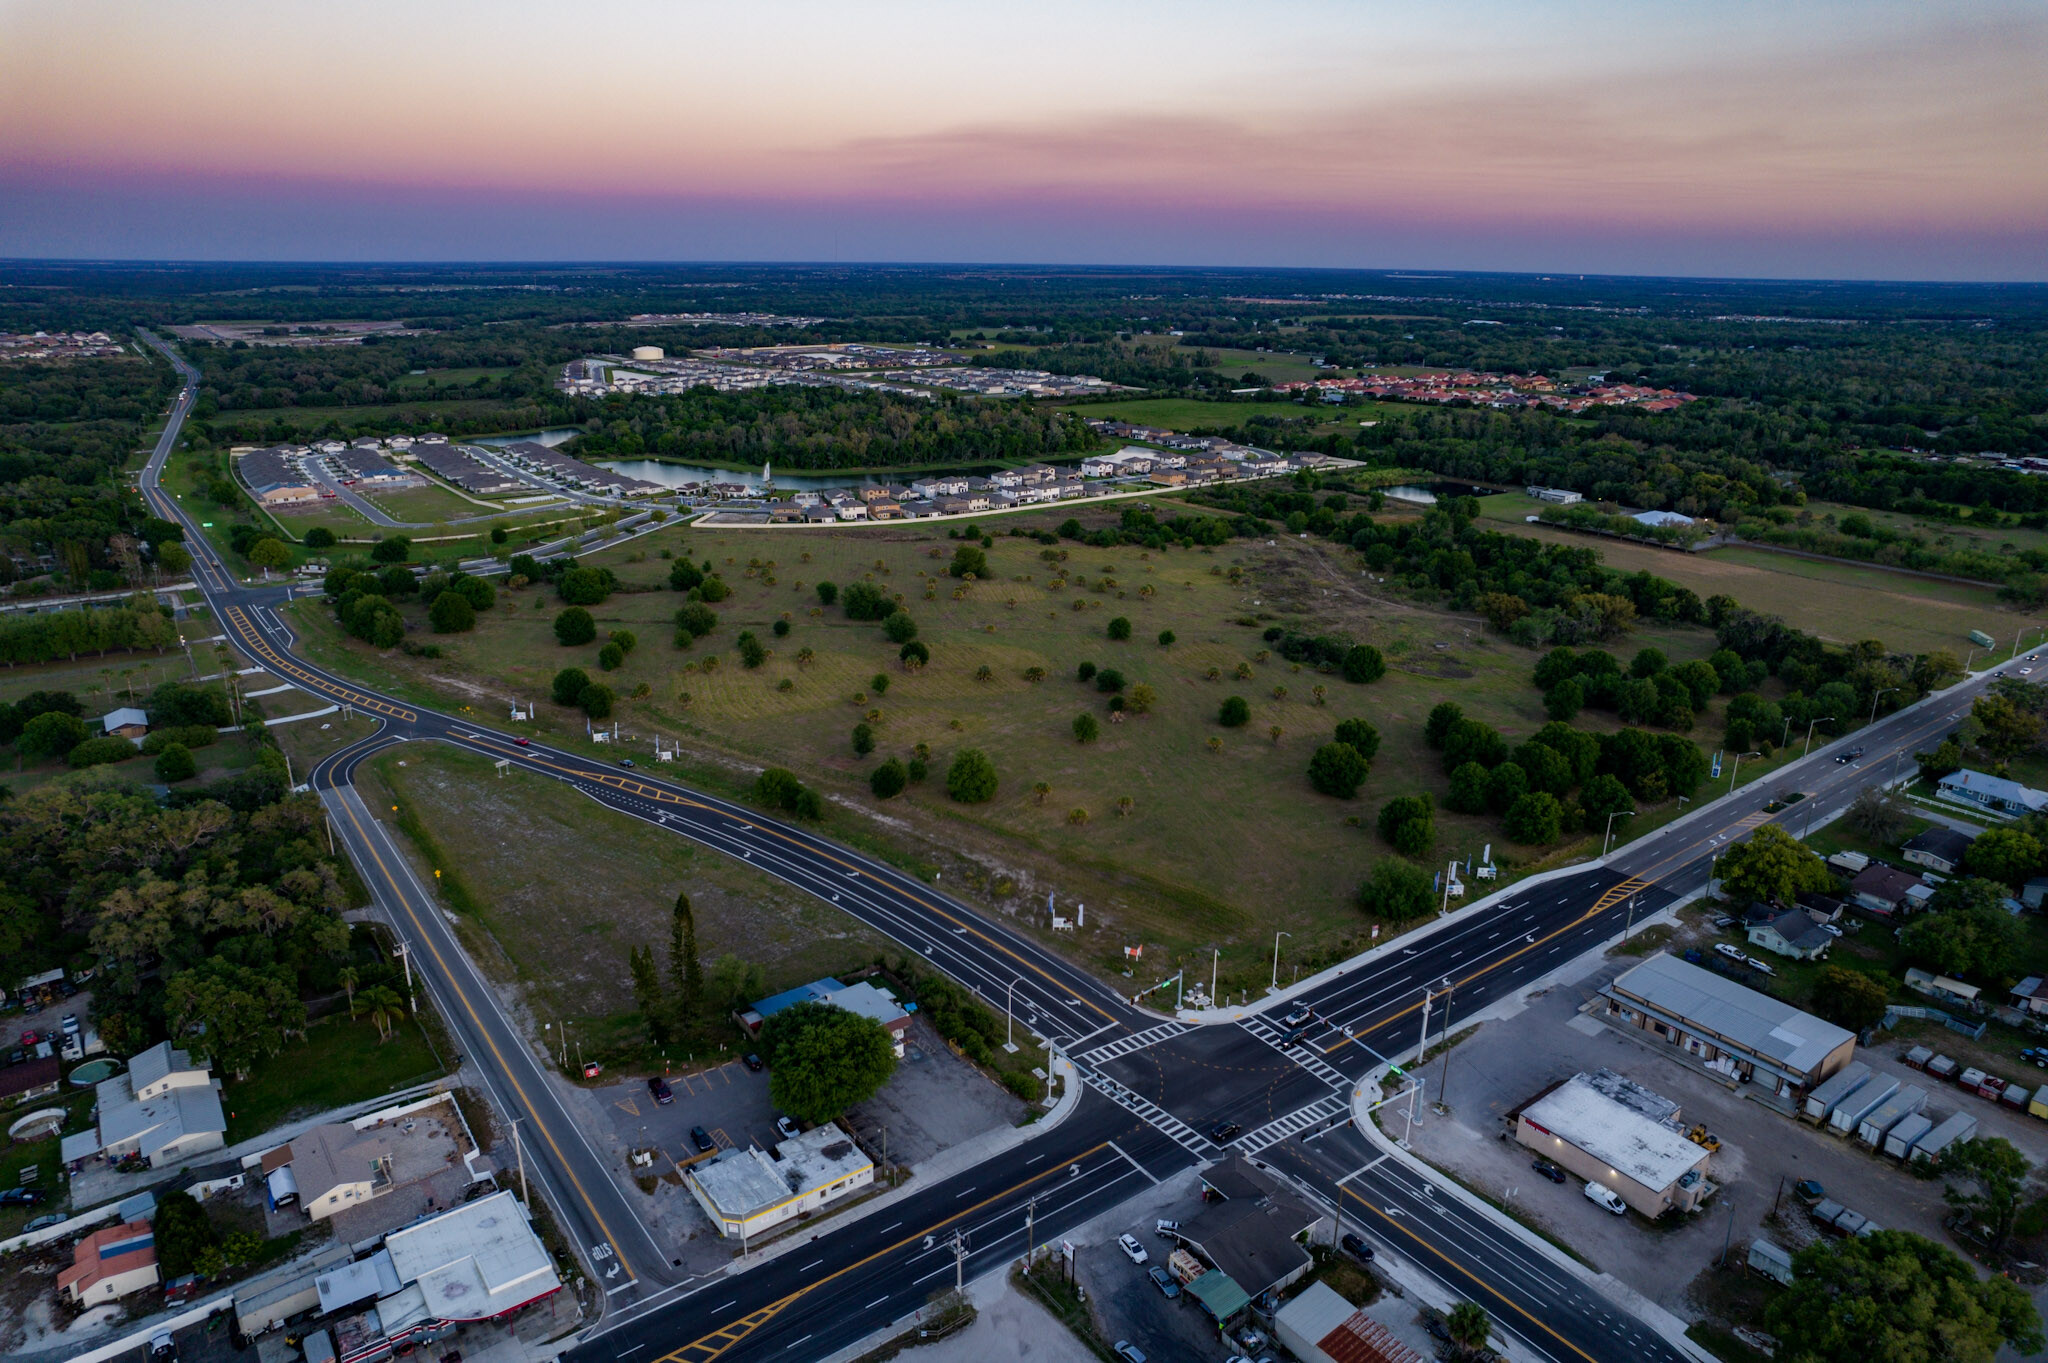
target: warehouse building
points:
(1612, 1130)
(1728, 1028)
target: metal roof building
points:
(1733, 1029)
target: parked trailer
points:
(1955, 1130)
(2015, 1098)
(1903, 1104)
(1771, 1260)
(1821, 1103)
(1898, 1142)
(1970, 1079)
(2037, 1106)
(1942, 1067)
(1849, 1115)
(1917, 1058)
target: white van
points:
(1602, 1195)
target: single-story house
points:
(110, 1264)
(1938, 849)
(1821, 908)
(1792, 933)
(335, 1166)
(126, 722)
(1318, 1326)
(1942, 987)
(39, 1076)
(1612, 1130)
(164, 1108)
(1881, 890)
(1995, 793)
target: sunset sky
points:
(1869, 139)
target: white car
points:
(1732, 952)
(1133, 1251)
(1602, 1195)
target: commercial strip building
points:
(749, 1192)
(275, 478)
(1611, 1130)
(1728, 1028)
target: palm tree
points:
(1041, 790)
(1215, 745)
(348, 977)
(385, 1009)
(804, 657)
(1077, 816)
(1279, 693)
(1469, 1326)
(984, 673)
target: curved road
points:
(1157, 1091)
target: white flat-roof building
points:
(749, 1192)
(1610, 1129)
(475, 1262)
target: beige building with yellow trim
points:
(750, 1192)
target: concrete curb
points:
(1367, 1091)
(940, 1166)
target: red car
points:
(523, 742)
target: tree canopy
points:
(822, 1060)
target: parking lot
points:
(1505, 1064)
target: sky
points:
(1822, 139)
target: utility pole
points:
(1009, 1016)
(959, 1262)
(1276, 961)
(1215, 958)
(1824, 719)
(1421, 1050)
(1443, 1079)
(1030, 1230)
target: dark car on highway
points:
(663, 1094)
(1548, 1170)
(1224, 1132)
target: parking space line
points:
(627, 1106)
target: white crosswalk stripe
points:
(1280, 1128)
(1300, 1054)
(1149, 1112)
(1137, 1041)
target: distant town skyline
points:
(1825, 140)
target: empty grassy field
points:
(1839, 601)
(1219, 847)
(426, 505)
(560, 888)
(436, 379)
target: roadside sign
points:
(1715, 774)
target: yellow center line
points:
(746, 1325)
(1512, 1305)
(533, 1113)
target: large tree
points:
(1896, 1297)
(1771, 866)
(245, 1012)
(823, 1060)
(685, 970)
(1987, 1180)
(1850, 997)
(1967, 932)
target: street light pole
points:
(1887, 691)
(1610, 827)
(1738, 767)
(1276, 961)
(1009, 1017)
(1824, 719)
(1215, 958)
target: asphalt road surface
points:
(1162, 1094)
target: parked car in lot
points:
(1166, 1228)
(1731, 951)
(1163, 1280)
(1548, 1170)
(789, 1129)
(1723, 921)
(70, 1024)
(1133, 1251)
(663, 1094)
(1127, 1351)
(1601, 1195)
(752, 1062)
(19, 1197)
(1354, 1245)
(701, 1138)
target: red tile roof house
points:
(110, 1264)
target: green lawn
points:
(42, 1155)
(340, 1062)
(435, 380)
(426, 505)
(1218, 848)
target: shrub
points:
(899, 627)
(713, 589)
(968, 559)
(50, 734)
(611, 657)
(1166, 637)
(781, 628)
(597, 700)
(1361, 735)
(625, 639)
(1119, 629)
(1109, 681)
(1408, 824)
(696, 620)
(1397, 891)
(1363, 664)
(752, 653)
(1337, 769)
(879, 683)
(452, 613)
(319, 537)
(175, 763)
(972, 778)
(582, 586)
(1084, 671)
(827, 593)
(914, 653)
(863, 739)
(866, 601)
(1235, 713)
(569, 685)
(887, 781)
(1534, 818)
(1086, 728)
(574, 626)
(779, 789)
(392, 549)
(683, 575)
(98, 752)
